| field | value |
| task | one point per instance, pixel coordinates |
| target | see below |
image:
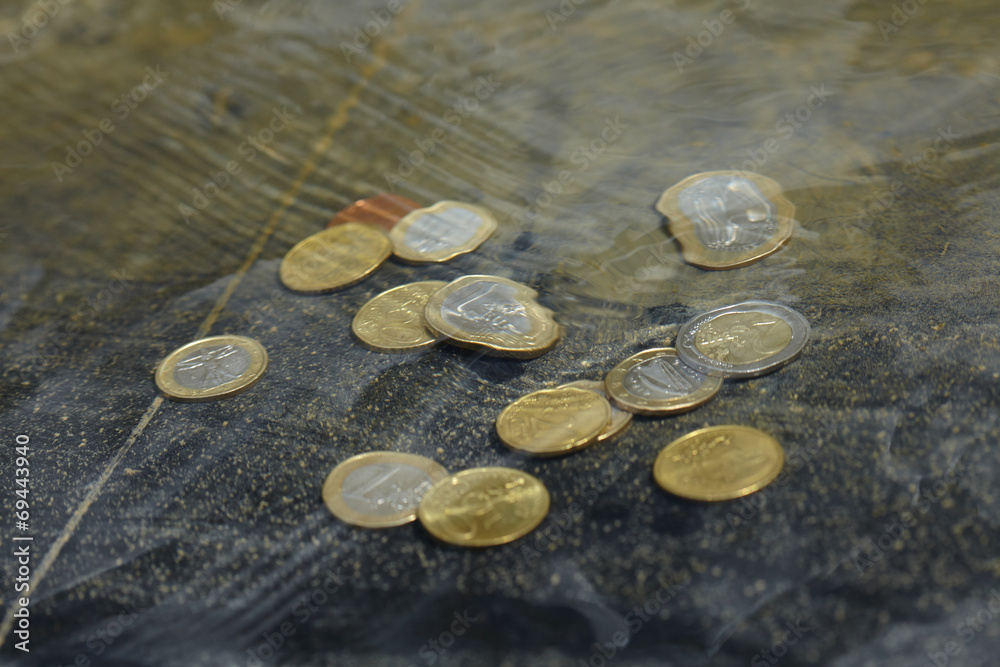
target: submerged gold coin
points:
(656, 382)
(380, 489)
(394, 320)
(550, 422)
(620, 419)
(336, 257)
(719, 463)
(441, 232)
(211, 368)
(484, 507)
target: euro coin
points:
(441, 232)
(656, 382)
(211, 368)
(394, 320)
(334, 258)
(620, 419)
(384, 210)
(550, 422)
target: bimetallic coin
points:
(484, 507)
(384, 210)
(394, 320)
(441, 232)
(620, 419)
(657, 382)
(211, 368)
(727, 219)
(380, 489)
(499, 316)
(743, 340)
(719, 463)
(550, 422)
(334, 258)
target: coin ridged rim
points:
(286, 271)
(620, 419)
(765, 439)
(614, 384)
(333, 486)
(696, 253)
(434, 529)
(375, 345)
(502, 345)
(407, 254)
(172, 389)
(584, 439)
(690, 355)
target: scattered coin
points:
(496, 315)
(384, 210)
(394, 320)
(657, 382)
(334, 258)
(743, 340)
(380, 489)
(484, 507)
(719, 463)
(550, 422)
(211, 368)
(441, 232)
(727, 219)
(620, 419)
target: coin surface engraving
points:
(620, 419)
(393, 321)
(211, 368)
(334, 258)
(550, 422)
(657, 382)
(441, 232)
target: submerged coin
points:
(334, 258)
(550, 422)
(394, 320)
(719, 463)
(441, 232)
(384, 210)
(657, 382)
(727, 219)
(211, 368)
(499, 316)
(380, 489)
(620, 419)
(483, 507)
(743, 340)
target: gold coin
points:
(394, 320)
(657, 382)
(211, 368)
(336, 257)
(441, 232)
(550, 422)
(496, 315)
(719, 463)
(483, 507)
(380, 489)
(620, 419)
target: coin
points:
(484, 507)
(743, 340)
(496, 315)
(394, 320)
(441, 232)
(620, 419)
(334, 258)
(211, 368)
(384, 210)
(657, 382)
(550, 422)
(380, 489)
(727, 219)
(719, 463)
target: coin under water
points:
(484, 507)
(550, 422)
(743, 340)
(380, 489)
(394, 320)
(334, 258)
(657, 382)
(620, 419)
(719, 463)
(384, 210)
(727, 219)
(441, 232)
(211, 368)
(496, 315)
